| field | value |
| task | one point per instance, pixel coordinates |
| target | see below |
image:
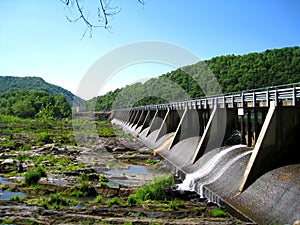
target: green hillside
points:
(222, 74)
(34, 104)
(10, 83)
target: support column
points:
(149, 117)
(249, 129)
(214, 134)
(189, 126)
(157, 121)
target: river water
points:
(209, 172)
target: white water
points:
(189, 183)
(220, 172)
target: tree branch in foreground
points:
(105, 12)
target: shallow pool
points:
(6, 195)
(133, 169)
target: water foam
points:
(219, 173)
(189, 183)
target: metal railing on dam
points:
(288, 94)
(239, 150)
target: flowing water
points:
(188, 183)
(220, 172)
(209, 173)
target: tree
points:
(23, 109)
(104, 13)
(46, 114)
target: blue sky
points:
(37, 40)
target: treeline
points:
(34, 104)
(222, 74)
(11, 83)
(256, 70)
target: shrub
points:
(42, 171)
(32, 177)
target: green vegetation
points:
(32, 177)
(10, 83)
(105, 129)
(113, 201)
(16, 198)
(6, 221)
(34, 104)
(56, 201)
(232, 72)
(218, 213)
(99, 198)
(154, 190)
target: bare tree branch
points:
(105, 12)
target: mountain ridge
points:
(15, 83)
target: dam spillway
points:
(238, 150)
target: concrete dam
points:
(239, 150)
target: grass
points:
(151, 161)
(218, 213)
(176, 204)
(154, 190)
(113, 201)
(16, 198)
(80, 190)
(99, 198)
(56, 201)
(6, 221)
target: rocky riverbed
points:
(91, 185)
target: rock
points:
(20, 167)
(8, 165)
(183, 194)
(93, 177)
(234, 139)
(72, 173)
(9, 162)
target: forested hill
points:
(11, 83)
(232, 72)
